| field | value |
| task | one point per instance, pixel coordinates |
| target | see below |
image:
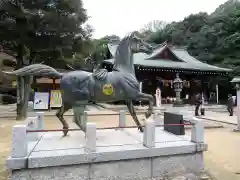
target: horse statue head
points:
(124, 53)
(138, 45)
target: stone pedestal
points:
(108, 154)
(178, 101)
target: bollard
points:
(19, 141)
(155, 115)
(40, 121)
(122, 119)
(197, 134)
(237, 129)
(83, 122)
(90, 137)
(149, 134)
(32, 125)
(30, 109)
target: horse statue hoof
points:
(147, 115)
(65, 131)
(140, 129)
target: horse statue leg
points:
(148, 97)
(79, 116)
(64, 108)
(133, 114)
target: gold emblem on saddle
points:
(107, 89)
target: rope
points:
(117, 127)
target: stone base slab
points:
(236, 130)
(120, 154)
(133, 169)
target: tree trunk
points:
(21, 23)
(27, 81)
(23, 87)
(20, 82)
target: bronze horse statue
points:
(81, 87)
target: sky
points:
(120, 17)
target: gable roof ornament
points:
(162, 47)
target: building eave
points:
(174, 66)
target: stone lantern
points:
(178, 86)
(236, 82)
(237, 86)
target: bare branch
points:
(70, 67)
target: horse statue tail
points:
(38, 70)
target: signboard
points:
(56, 98)
(41, 100)
(14, 84)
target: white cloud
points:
(122, 16)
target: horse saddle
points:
(100, 74)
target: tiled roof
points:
(187, 61)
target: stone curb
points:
(13, 115)
(210, 174)
(218, 121)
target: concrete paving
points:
(220, 117)
(10, 111)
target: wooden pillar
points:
(217, 92)
(54, 84)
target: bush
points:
(9, 62)
(8, 99)
(8, 90)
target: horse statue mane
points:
(123, 58)
(123, 61)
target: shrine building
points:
(159, 69)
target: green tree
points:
(36, 30)
(100, 49)
(150, 28)
(210, 38)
